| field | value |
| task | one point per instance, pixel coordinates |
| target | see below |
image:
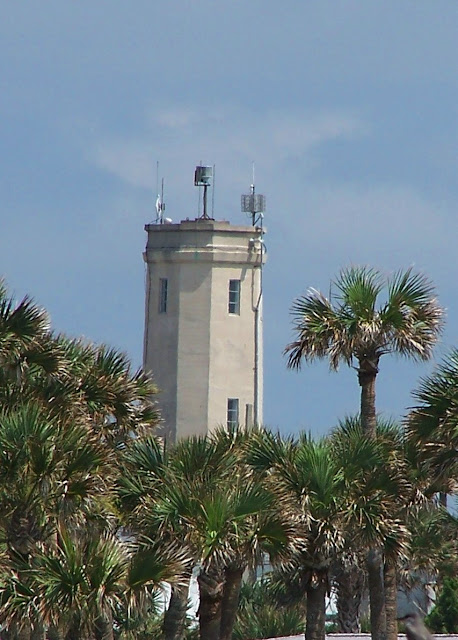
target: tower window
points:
(162, 295)
(232, 412)
(234, 297)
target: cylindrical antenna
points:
(160, 204)
(162, 201)
(202, 178)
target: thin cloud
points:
(234, 136)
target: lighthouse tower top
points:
(215, 241)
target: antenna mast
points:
(202, 178)
(254, 204)
(160, 204)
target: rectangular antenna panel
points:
(253, 203)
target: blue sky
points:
(349, 110)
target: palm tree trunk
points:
(349, 583)
(376, 595)
(104, 628)
(391, 595)
(55, 633)
(38, 632)
(315, 626)
(230, 602)
(211, 586)
(16, 632)
(367, 374)
(175, 617)
(73, 630)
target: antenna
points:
(254, 204)
(202, 178)
(160, 204)
(213, 191)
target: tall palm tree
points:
(349, 327)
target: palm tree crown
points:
(350, 326)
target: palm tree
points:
(160, 492)
(51, 471)
(48, 471)
(308, 472)
(81, 585)
(67, 407)
(350, 587)
(350, 328)
(433, 548)
(253, 524)
(236, 524)
(433, 425)
(26, 347)
(22, 326)
(380, 493)
(201, 493)
(70, 378)
(266, 612)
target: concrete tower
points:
(203, 323)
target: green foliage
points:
(433, 424)
(68, 408)
(444, 617)
(261, 614)
(72, 477)
(148, 626)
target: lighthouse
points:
(203, 318)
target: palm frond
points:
(318, 326)
(432, 425)
(358, 289)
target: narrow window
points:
(232, 412)
(162, 295)
(234, 297)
